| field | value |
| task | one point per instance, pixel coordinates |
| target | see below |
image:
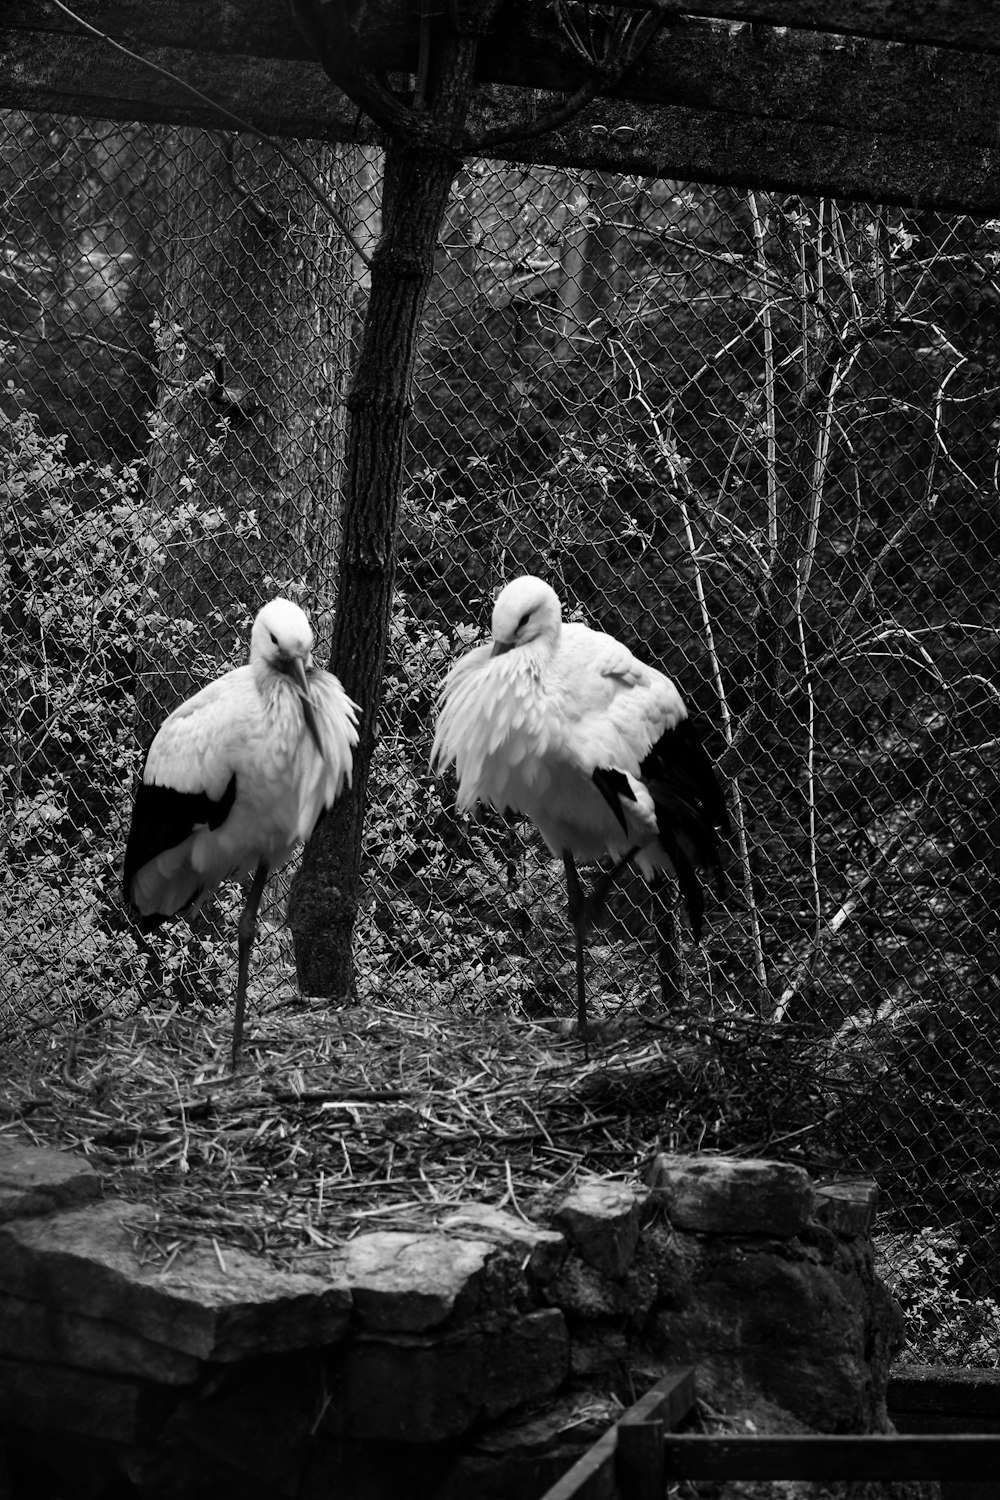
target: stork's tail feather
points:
(687, 794)
(691, 814)
(688, 882)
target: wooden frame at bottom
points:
(637, 1457)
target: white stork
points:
(236, 778)
(564, 725)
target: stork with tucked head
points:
(564, 725)
(236, 778)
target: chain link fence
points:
(755, 437)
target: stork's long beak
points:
(500, 648)
(301, 684)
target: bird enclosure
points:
(755, 437)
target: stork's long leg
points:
(668, 944)
(582, 911)
(578, 915)
(246, 932)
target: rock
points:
(529, 1360)
(780, 1324)
(84, 1261)
(675, 1259)
(730, 1195)
(514, 1476)
(585, 1293)
(578, 1416)
(601, 1220)
(521, 1457)
(847, 1207)
(405, 1283)
(256, 1423)
(598, 1354)
(36, 1331)
(38, 1180)
(421, 1389)
(47, 1397)
(545, 1248)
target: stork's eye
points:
(274, 638)
(524, 619)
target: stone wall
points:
(473, 1362)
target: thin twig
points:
(770, 403)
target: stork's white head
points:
(282, 639)
(527, 610)
(282, 636)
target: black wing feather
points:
(687, 880)
(687, 793)
(690, 807)
(613, 786)
(162, 818)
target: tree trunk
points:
(325, 892)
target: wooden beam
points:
(811, 160)
(809, 1456)
(752, 71)
(248, 28)
(85, 77)
(263, 28)
(594, 1476)
(763, 74)
(639, 1460)
(295, 100)
(970, 25)
(945, 1391)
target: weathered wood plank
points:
(639, 1459)
(945, 1390)
(825, 1457)
(247, 28)
(942, 23)
(640, 1466)
(296, 100)
(261, 27)
(759, 72)
(709, 148)
(81, 76)
(592, 1477)
(667, 1402)
(598, 1474)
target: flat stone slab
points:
(545, 1248)
(38, 1180)
(47, 1398)
(733, 1195)
(601, 1220)
(37, 1331)
(422, 1389)
(219, 1307)
(405, 1283)
(847, 1207)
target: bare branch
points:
(629, 41)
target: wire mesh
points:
(753, 436)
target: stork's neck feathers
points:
(524, 663)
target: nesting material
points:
(373, 1117)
